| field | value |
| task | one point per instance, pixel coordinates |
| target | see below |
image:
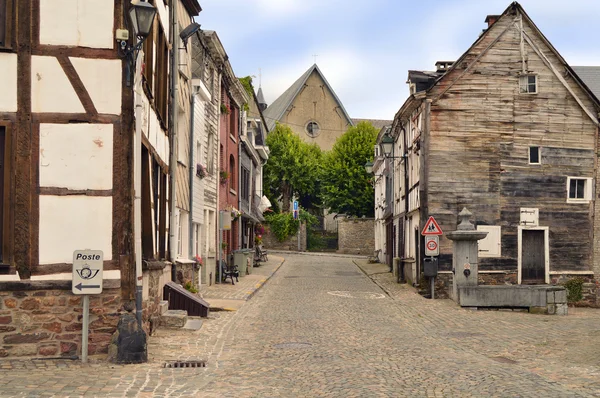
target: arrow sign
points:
(81, 286)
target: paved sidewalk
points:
(225, 296)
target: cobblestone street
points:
(332, 326)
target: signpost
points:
(87, 279)
(431, 232)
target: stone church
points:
(312, 110)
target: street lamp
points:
(387, 145)
(369, 167)
(141, 15)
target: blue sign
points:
(295, 205)
(295, 214)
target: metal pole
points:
(84, 334)
(432, 288)
(137, 188)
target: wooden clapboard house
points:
(509, 131)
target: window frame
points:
(587, 190)
(524, 85)
(8, 24)
(539, 155)
(309, 131)
(6, 256)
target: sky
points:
(366, 47)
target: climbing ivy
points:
(574, 289)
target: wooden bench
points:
(229, 271)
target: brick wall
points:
(44, 319)
(356, 235)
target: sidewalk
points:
(228, 297)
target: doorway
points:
(533, 256)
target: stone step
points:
(193, 323)
(174, 319)
(163, 307)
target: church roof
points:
(260, 96)
(276, 110)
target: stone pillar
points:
(464, 253)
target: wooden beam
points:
(78, 86)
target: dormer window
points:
(528, 84)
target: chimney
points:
(490, 19)
(443, 66)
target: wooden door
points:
(2, 147)
(533, 257)
(389, 243)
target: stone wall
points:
(591, 289)
(356, 235)
(44, 319)
(270, 240)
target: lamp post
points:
(141, 16)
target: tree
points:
(293, 166)
(345, 185)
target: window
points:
(5, 172)
(534, 155)
(210, 155)
(245, 181)
(148, 69)
(312, 129)
(6, 17)
(232, 180)
(579, 189)
(490, 246)
(528, 84)
(161, 90)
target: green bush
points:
(574, 289)
(283, 225)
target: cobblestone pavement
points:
(321, 327)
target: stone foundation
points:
(44, 319)
(591, 289)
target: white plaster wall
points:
(102, 79)
(69, 223)
(8, 82)
(163, 15)
(155, 134)
(76, 156)
(201, 135)
(82, 23)
(51, 90)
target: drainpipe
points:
(173, 143)
(137, 188)
(239, 141)
(192, 168)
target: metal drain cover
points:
(293, 345)
(185, 364)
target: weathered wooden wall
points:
(481, 131)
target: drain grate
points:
(185, 364)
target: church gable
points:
(312, 110)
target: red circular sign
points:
(431, 245)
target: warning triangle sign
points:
(431, 227)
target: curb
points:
(264, 281)
(342, 255)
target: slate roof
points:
(276, 110)
(590, 76)
(377, 123)
(260, 96)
